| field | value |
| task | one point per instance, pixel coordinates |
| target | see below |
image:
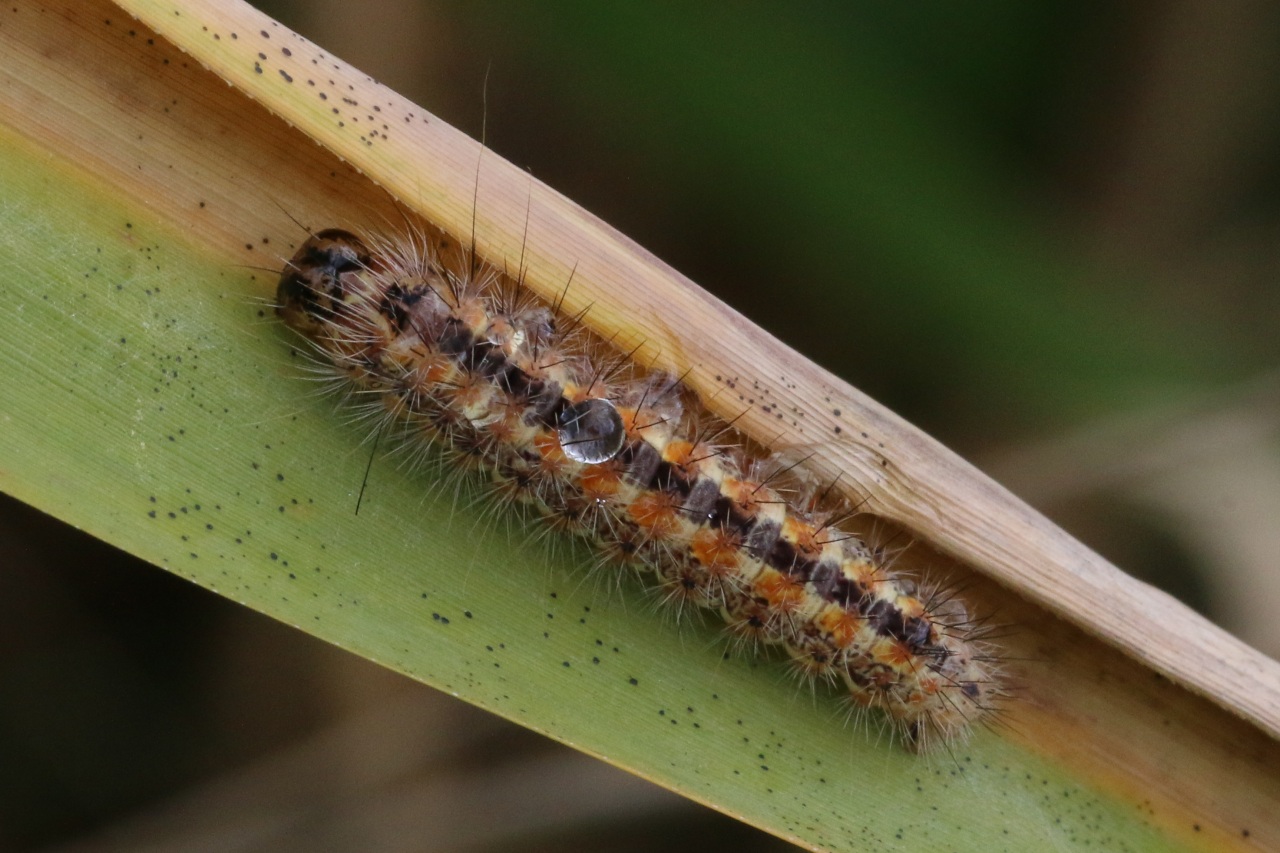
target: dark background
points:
(1046, 232)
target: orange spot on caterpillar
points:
(717, 550)
(780, 591)
(655, 513)
(600, 483)
(840, 625)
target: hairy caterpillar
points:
(451, 351)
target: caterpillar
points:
(448, 350)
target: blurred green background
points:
(1045, 232)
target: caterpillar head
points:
(320, 278)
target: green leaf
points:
(148, 396)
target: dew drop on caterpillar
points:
(458, 354)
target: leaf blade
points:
(133, 424)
